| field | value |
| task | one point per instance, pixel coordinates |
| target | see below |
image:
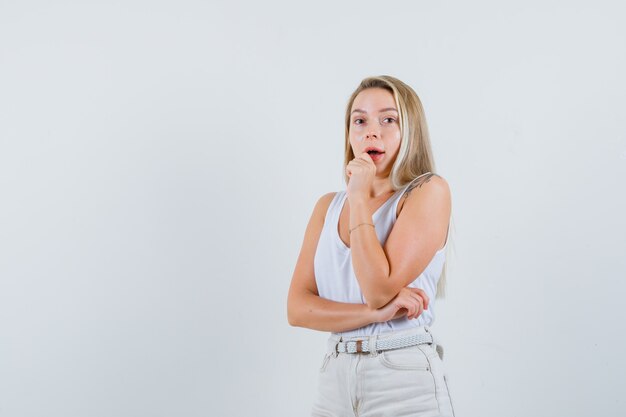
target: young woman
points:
(371, 264)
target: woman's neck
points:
(381, 187)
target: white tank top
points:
(335, 277)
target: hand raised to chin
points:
(361, 171)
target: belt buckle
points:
(359, 347)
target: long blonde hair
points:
(415, 156)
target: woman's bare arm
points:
(305, 308)
(317, 313)
(413, 241)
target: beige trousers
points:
(409, 381)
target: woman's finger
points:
(417, 298)
(411, 307)
(423, 295)
(419, 312)
(418, 305)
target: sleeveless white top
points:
(335, 277)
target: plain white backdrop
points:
(159, 162)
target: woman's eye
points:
(356, 120)
(390, 118)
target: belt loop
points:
(371, 345)
(437, 346)
(432, 336)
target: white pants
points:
(409, 381)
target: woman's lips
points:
(377, 156)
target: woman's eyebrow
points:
(380, 111)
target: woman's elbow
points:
(378, 301)
(374, 305)
(292, 318)
(293, 313)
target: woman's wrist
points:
(373, 314)
(358, 200)
(359, 213)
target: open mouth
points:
(375, 153)
(372, 150)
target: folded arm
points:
(420, 229)
(314, 312)
(305, 308)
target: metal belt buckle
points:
(358, 344)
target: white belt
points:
(359, 346)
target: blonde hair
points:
(415, 156)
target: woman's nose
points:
(372, 135)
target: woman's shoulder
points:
(427, 188)
(323, 203)
(429, 182)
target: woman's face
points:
(374, 123)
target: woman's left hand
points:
(361, 171)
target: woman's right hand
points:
(409, 301)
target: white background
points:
(159, 162)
